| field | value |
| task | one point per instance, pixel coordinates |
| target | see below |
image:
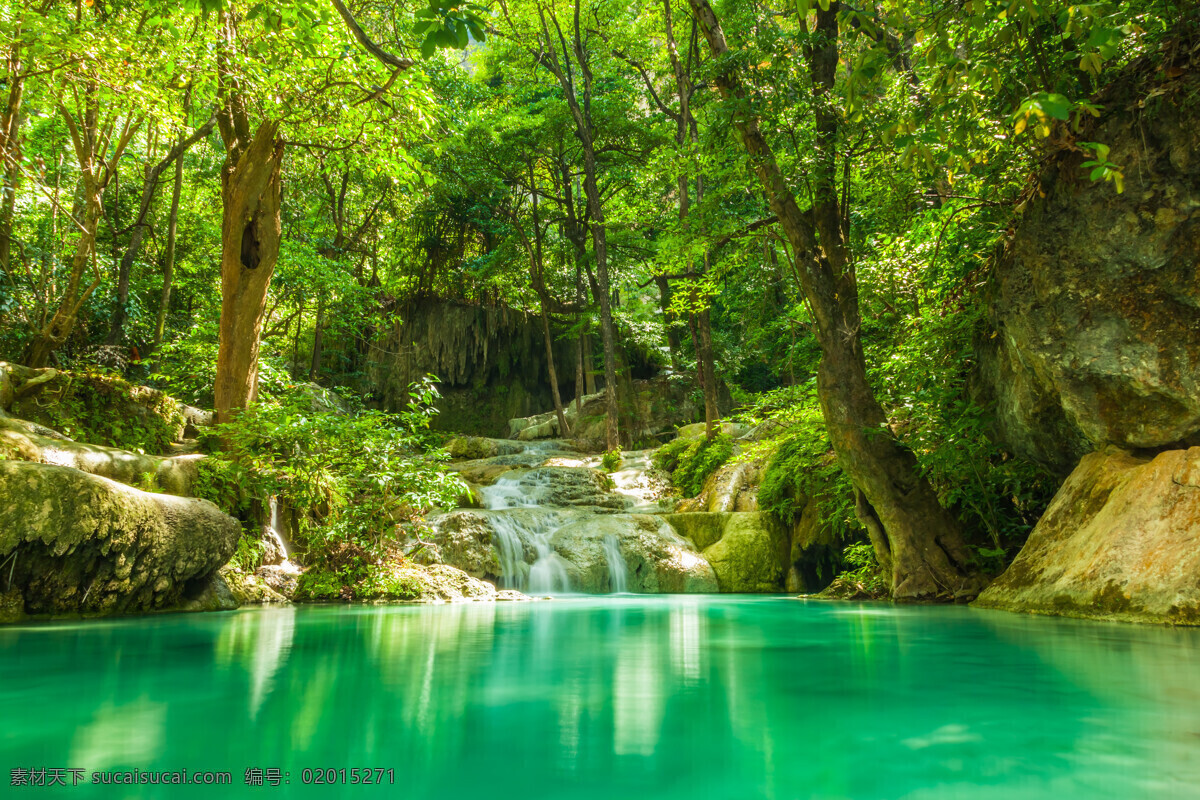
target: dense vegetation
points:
(229, 200)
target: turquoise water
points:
(636, 697)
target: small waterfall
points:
(274, 529)
(618, 572)
(549, 572)
(509, 549)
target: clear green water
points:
(658, 697)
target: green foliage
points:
(358, 475)
(358, 581)
(803, 467)
(611, 461)
(691, 461)
(100, 408)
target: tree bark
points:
(911, 531)
(581, 114)
(564, 430)
(251, 228)
(10, 150)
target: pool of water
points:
(625, 697)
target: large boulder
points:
(1095, 303)
(1120, 541)
(80, 543)
(751, 555)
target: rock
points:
(751, 554)
(251, 589)
(471, 498)
(482, 473)
(471, 448)
(703, 530)
(32, 442)
(282, 578)
(215, 595)
(322, 400)
(1095, 303)
(698, 429)
(194, 419)
(656, 558)
(491, 361)
(460, 538)
(1120, 541)
(88, 544)
(96, 407)
(815, 553)
(733, 487)
(441, 582)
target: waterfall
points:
(509, 548)
(618, 572)
(274, 529)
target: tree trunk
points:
(164, 303)
(664, 301)
(564, 430)
(911, 531)
(712, 417)
(579, 379)
(318, 340)
(250, 232)
(10, 151)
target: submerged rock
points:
(84, 543)
(1120, 541)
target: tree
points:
(915, 538)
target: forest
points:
(587, 398)
(800, 208)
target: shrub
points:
(691, 461)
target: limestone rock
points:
(1095, 304)
(32, 442)
(470, 448)
(1120, 541)
(87, 544)
(249, 589)
(751, 554)
(462, 539)
(656, 559)
(698, 429)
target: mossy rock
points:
(751, 554)
(96, 407)
(86, 544)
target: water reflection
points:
(685, 697)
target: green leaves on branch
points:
(450, 25)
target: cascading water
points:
(525, 490)
(618, 572)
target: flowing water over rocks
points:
(552, 523)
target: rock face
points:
(490, 360)
(1095, 304)
(86, 544)
(1121, 541)
(733, 487)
